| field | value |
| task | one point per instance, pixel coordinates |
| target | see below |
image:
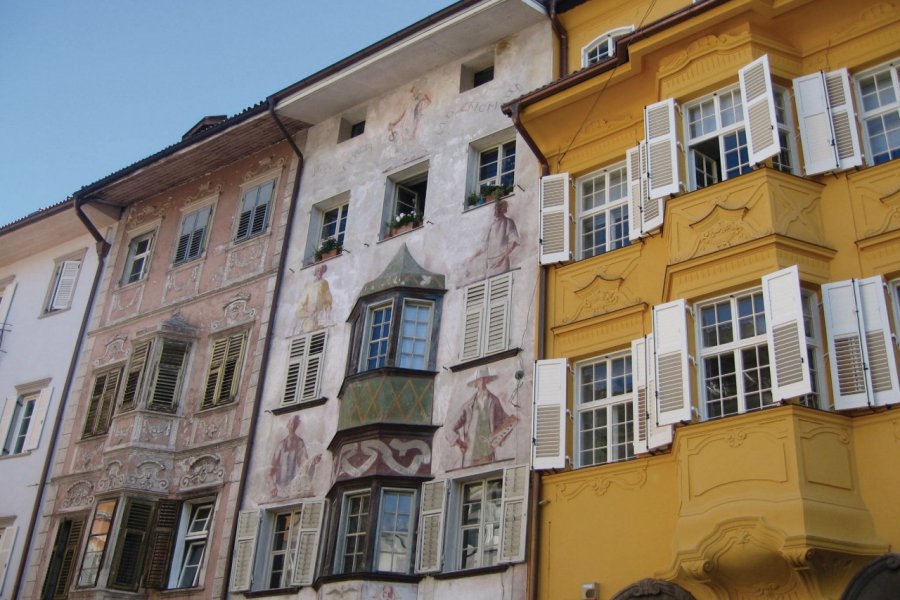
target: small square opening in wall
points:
(353, 124)
(477, 72)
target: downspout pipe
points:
(102, 251)
(562, 35)
(264, 363)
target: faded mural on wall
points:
(291, 470)
(405, 128)
(313, 310)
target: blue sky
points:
(90, 86)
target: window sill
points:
(188, 262)
(288, 591)
(52, 313)
(485, 360)
(391, 233)
(16, 455)
(369, 576)
(235, 243)
(299, 406)
(225, 406)
(471, 572)
(491, 202)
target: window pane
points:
(416, 320)
(395, 538)
(379, 332)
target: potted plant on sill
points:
(488, 193)
(328, 248)
(404, 222)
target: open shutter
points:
(135, 375)
(169, 371)
(6, 300)
(308, 545)
(214, 372)
(103, 399)
(786, 334)
(648, 434)
(555, 219)
(878, 350)
(549, 436)
(514, 512)
(244, 551)
(827, 129)
(65, 285)
(638, 190)
(161, 543)
(133, 539)
(673, 398)
(296, 357)
(6, 418)
(6, 546)
(473, 320)
(662, 157)
(231, 369)
(758, 100)
(38, 417)
(845, 347)
(65, 550)
(431, 528)
(496, 336)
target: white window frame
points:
(61, 291)
(894, 289)
(609, 404)
(317, 232)
(818, 397)
(186, 539)
(143, 257)
(603, 46)
(343, 533)
(409, 534)
(248, 189)
(601, 182)
(293, 516)
(408, 303)
(365, 355)
(460, 528)
(20, 420)
(193, 249)
(892, 69)
(502, 174)
(416, 175)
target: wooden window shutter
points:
(662, 156)
(639, 371)
(786, 334)
(65, 550)
(304, 368)
(161, 543)
(222, 374)
(6, 418)
(473, 320)
(103, 400)
(308, 546)
(673, 398)
(879, 350)
(169, 372)
(827, 128)
(549, 445)
(496, 337)
(5, 304)
(758, 99)
(555, 219)
(65, 287)
(296, 361)
(134, 376)
(248, 203)
(128, 563)
(431, 527)
(514, 514)
(636, 173)
(38, 417)
(244, 551)
(6, 546)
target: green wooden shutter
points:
(65, 550)
(103, 399)
(127, 566)
(161, 543)
(224, 366)
(135, 375)
(168, 377)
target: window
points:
(190, 549)
(304, 368)
(814, 354)
(133, 536)
(395, 527)
(254, 216)
(357, 128)
(409, 199)
(486, 318)
(378, 331)
(327, 227)
(62, 286)
(351, 555)
(334, 224)
(65, 551)
(603, 47)
(603, 211)
(480, 523)
(477, 72)
(414, 334)
(19, 421)
(137, 263)
(604, 410)
(412, 349)
(223, 375)
(497, 167)
(192, 238)
(352, 124)
(879, 97)
(155, 372)
(102, 402)
(98, 537)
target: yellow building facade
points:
(721, 292)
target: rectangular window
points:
(603, 211)
(137, 262)
(477, 72)
(879, 96)
(395, 528)
(98, 538)
(479, 529)
(223, 372)
(304, 368)
(334, 224)
(604, 410)
(155, 372)
(486, 318)
(405, 202)
(62, 286)
(191, 545)
(354, 529)
(132, 543)
(192, 238)
(282, 553)
(254, 217)
(378, 332)
(22, 411)
(102, 402)
(415, 333)
(497, 167)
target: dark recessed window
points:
(357, 129)
(483, 76)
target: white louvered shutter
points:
(827, 129)
(657, 435)
(305, 358)
(308, 546)
(6, 419)
(662, 155)
(244, 550)
(549, 445)
(5, 304)
(639, 202)
(6, 546)
(555, 219)
(673, 402)
(640, 377)
(514, 514)
(786, 334)
(496, 338)
(758, 100)
(473, 320)
(879, 353)
(65, 286)
(431, 528)
(38, 416)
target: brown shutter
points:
(103, 399)
(161, 543)
(65, 550)
(169, 370)
(135, 375)
(129, 559)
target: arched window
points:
(603, 46)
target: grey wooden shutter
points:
(308, 546)
(224, 364)
(38, 417)
(244, 551)
(431, 527)
(662, 156)
(473, 320)
(162, 542)
(673, 398)
(6, 547)
(786, 334)
(127, 566)
(827, 128)
(514, 514)
(168, 377)
(549, 435)
(758, 99)
(134, 376)
(102, 402)
(65, 286)
(496, 337)
(555, 219)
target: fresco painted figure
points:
(314, 307)
(501, 240)
(291, 471)
(483, 424)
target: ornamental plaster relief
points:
(115, 352)
(209, 428)
(861, 41)
(147, 475)
(126, 302)
(237, 311)
(876, 193)
(79, 495)
(121, 430)
(827, 455)
(602, 141)
(144, 213)
(201, 471)
(597, 286)
(268, 163)
(625, 480)
(205, 191)
(88, 455)
(246, 259)
(156, 431)
(600, 333)
(182, 283)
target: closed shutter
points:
(555, 219)
(549, 436)
(193, 232)
(662, 157)
(514, 514)
(304, 368)
(103, 400)
(497, 324)
(473, 320)
(827, 129)
(135, 375)
(132, 547)
(308, 546)
(244, 551)
(6, 547)
(162, 542)
(673, 398)
(38, 417)
(224, 366)
(313, 369)
(758, 99)
(65, 550)
(169, 372)
(638, 189)
(65, 286)
(786, 334)
(431, 528)
(879, 353)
